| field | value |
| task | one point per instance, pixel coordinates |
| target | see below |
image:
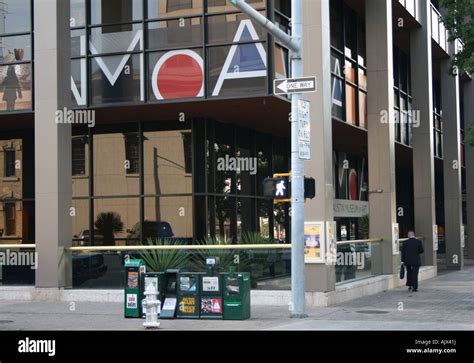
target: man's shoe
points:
(409, 288)
(415, 290)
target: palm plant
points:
(161, 260)
(364, 223)
(260, 259)
(227, 257)
(109, 223)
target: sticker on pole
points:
(294, 85)
(304, 130)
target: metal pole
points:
(294, 43)
(297, 176)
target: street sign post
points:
(294, 85)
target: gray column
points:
(423, 143)
(381, 132)
(317, 62)
(450, 104)
(469, 122)
(52, 142)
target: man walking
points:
(411, 251)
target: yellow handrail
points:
(180, 247)
(359, 241)
(20, 246)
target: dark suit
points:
(411, 251)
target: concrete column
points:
(469, 122)
(381, 132)
(423, 144)
(450, 102)
(52, 142)
(317, 62)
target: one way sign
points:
(294, 85)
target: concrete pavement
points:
(443, 303)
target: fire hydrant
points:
(152, 306)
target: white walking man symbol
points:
(280, 189)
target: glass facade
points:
(201, 180)
(141, 51)
(348, 65)
(16, 55)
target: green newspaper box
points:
(188, 295)
(134, 269)
(211, 296)
(236, 295)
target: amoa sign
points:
(178, 73)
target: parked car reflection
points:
(87, 266)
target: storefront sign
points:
(350, 208)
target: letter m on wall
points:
(112, 67)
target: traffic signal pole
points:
(294, 43)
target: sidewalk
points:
(443, 303)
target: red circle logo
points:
(178, 74)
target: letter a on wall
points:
(243, 60)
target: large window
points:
(10, 162)
(17, 186)
(237, 161)
(134, 51)
(15, 55)
(10, 218)
(141, 180)
(348, 65)
(404, 114)
(78, 156)
(132, 157)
